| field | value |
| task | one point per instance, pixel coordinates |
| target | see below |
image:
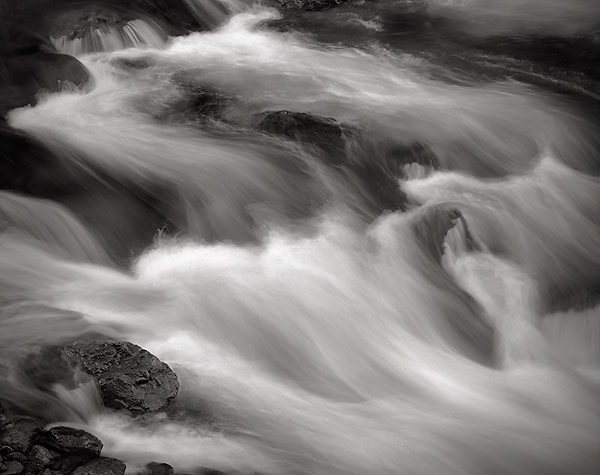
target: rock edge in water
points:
(127, 376)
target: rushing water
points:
(314, 329)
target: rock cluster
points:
(26, 448)
(128, 377)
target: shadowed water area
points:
(365, 235)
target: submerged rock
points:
(128, 376)
(322, 132)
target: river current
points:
(319, 325)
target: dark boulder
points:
(128, 376)
(101, 466)
(25, 75)
(67, 439)
(196, 104)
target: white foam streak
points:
(332, 353)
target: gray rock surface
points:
(67, 439)
(101, 466)
(128, 376)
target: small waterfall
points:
(134, 34)
(214, 12)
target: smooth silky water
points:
(311, 332)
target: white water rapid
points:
(315, 335)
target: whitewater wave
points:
(309, 335)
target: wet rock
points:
(154, 468)
(26, 75)
(18, 456)
(67, 439)
(321, 132)
(101, 466)
(196, 104)
(128, 376)
(40, 456)
(17, 433)
(13, 467)
(430, 231)
(310, 4)
(67, 463)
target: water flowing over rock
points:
(351, 227)
(128, 376)
(322, 132)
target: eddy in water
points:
(362, 250)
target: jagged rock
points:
(128, 376)
(13, 467)
(67, 439)
(101, 466)
(17, 433)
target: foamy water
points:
(310, 336)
